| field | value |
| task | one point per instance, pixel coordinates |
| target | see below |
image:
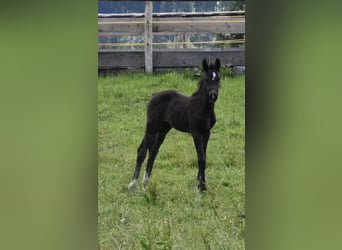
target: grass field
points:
(171, 214)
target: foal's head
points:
(211, 79)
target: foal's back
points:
(169, 107)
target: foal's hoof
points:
(133, 185)
(202, 187)
(145, 182)
(144, 186)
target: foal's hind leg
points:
(141, 154)
(153, 151)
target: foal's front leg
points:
(200, 149)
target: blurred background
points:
(49, 125)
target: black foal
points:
(193, 114)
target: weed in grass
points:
(151, 193)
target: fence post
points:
(185, 40)
(148, 37)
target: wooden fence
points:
(149, 24)
(168, 58)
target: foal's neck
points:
(204, 102)
(201, 95)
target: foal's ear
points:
(217, 64)
(205, 65)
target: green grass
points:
(171, 214)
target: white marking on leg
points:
(133, 185)
(145, 180)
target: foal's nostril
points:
(212, 95)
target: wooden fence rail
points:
(165, 23)
(168, 59)
(183, 24)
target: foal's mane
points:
(202, 81)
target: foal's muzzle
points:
(212, 94)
